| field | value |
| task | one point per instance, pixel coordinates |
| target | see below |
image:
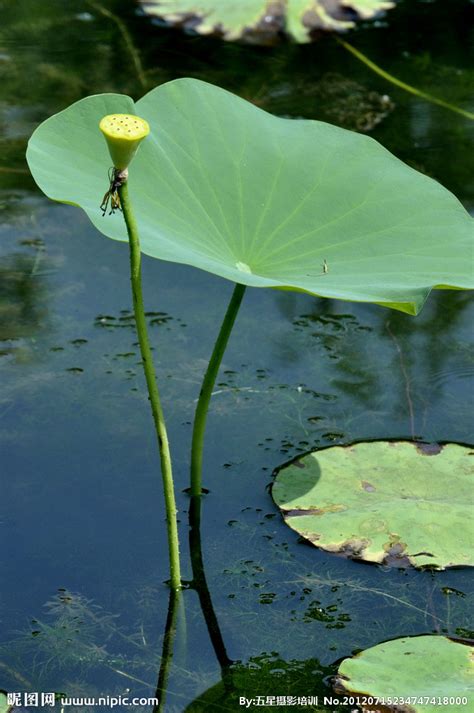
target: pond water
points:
(84, 562)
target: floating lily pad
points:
(391, 502)
(4, 707)
(413, 668)
(260, 200)
(236, 19)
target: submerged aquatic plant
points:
(78, 636)
(261, 201)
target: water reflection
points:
(175, 604)
(75, 639)
(264, 677)
(414, 361)
(79, 501)
(23, 298)
(44, 67)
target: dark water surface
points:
(84, 560)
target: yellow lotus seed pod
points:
(123, 133)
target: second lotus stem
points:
(207, 387)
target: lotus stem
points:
(207, 387)
(150, 376)
(403, 85)
(127, 40)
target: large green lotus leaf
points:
(383, 501)
(226, 187)
(413, 668)
(236, 18)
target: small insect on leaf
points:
(324, 272)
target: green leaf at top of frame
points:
(414, 668)
(226, 187)
(394, 502)
(261, 19)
